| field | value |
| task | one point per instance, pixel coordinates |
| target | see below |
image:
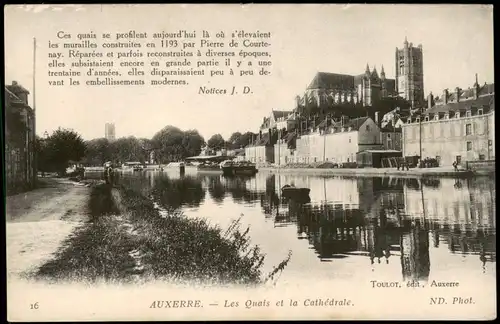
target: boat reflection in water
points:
(386, 224)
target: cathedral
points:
(327, 89)
(366, 89)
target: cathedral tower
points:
(410, 74)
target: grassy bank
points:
(95, 251)
(126, 239)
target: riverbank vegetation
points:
(127, 239)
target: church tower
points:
(410, 74)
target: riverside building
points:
(20, 164)
(457, 126)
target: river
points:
(349, 228)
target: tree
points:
(98, 151)
(192, 142)
(173, 144)
(127, 149)
(167, 143)
(63, 146)
(216, 142)
(246, 139)
(147, 147)
(235, 140)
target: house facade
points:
(20, 164)
(338, 143)
(261, 151)
(391, 138)
(461, 129)
(259, 154)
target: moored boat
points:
(132, 166)
(288, 191)
(230, 168)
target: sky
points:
(457, 43)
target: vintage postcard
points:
(261, 162)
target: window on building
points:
(389, 136)
(480, 111)
(468, 129)
(349, 140)
(426, 118)
(481, 157)
(468, 113)
(417, 120)
(446, 116)
(458, 158)
(367, 128)
(457, 114)
(436, 117)
(469, 146)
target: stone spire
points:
(367, 71)
(382, 72)
(374, 73)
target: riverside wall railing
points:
(485, 165)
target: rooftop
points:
(16, 88)
(262, 141)
(326, 80)
(390, 129)
(487, 100)
(466, 94)
(356, 123)
(280, 113)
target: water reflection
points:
(386, 221)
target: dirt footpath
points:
(38, 221)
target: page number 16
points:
(34, 306)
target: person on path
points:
(108, 173)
